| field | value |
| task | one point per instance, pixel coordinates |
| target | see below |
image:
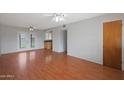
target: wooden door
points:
(112, 38)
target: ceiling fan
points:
(31, 28)
(57, 17)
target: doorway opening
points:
(48, 41)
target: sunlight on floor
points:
(22, 60)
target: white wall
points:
(59, 40)
(85, 38)
(56, 40)
(10, 42)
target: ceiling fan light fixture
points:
(58, 17)
(31, 28)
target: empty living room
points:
(61, 46)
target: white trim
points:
(33, 49)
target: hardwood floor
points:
(47, 65)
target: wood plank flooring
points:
(48, 65)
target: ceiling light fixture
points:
(31, 28)
(58, 17)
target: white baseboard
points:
(21, 51)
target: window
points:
(32, 41)
(26, 40)
(48, 35)
(22, 41)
